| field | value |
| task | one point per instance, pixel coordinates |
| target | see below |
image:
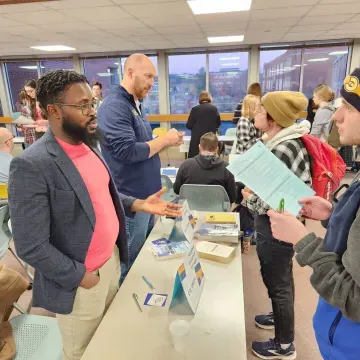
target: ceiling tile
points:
(302, 36)
(134, 32)
(224, 33)
(279, 13)
(114, 24)
(40, 17)
(73, 4)
(355, 19)
(308, 28)
(239, 25)
(21, 8)
(47, 35)
(24, 29)
(180, 37)
(254, 39)
(353, 26)
(165, 30)
(333, 19)
(155, 44)
(98, 13)
(267, 4)
(191, 43)
(269, 32)
(223, 18)
(109, 41)
(70, 27)
(8, 22)
(98, 34)
(343, 32)
(268, 24)
(11, 38)
(169, 21)
(332, 9)
(174, 8)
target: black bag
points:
(246, 218)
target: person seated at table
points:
(6, 147)
(69, 221)
(202, 119)
(206, 168)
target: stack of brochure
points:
(164, 249)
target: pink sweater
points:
(96, 179)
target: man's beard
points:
(139, 90)
(80, 133)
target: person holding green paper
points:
(335, 260)
(276, 118)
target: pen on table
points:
(151, 286)
(282, 206)
(137, 301)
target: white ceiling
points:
(128, 25)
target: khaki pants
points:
(90, 306)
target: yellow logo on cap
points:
(352, 84)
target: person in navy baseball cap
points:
(335, 260)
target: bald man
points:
(128, 146)
(6, 147)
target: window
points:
(228, 79)
(17, 73)
(105, 71)
(151, 103)
(280, 70)
(325, 65)
(48, 65)
(187, 78)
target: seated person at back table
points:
(6, 147)
(206, 168)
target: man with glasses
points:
(68, 218)
(6, 147)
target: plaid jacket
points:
(246, 134)
(237, 113)
(295, 156)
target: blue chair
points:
(36, 337)
(205, 197)
(228, 146)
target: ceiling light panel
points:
(199, 7)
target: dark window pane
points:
(280, 70)
(187, 78)
(324, 66)
(105, 71)
(228, 77)
(49, 65)
(17, 73)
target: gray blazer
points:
(53, 221)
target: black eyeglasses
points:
(9, 139)
(85, 108)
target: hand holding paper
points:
(268, 177)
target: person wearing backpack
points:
(335, 260)
(323, 96)
(276, 117)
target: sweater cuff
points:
(302, 256)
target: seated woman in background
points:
(323, 96)
(246, 133)
(203, 118)
(253, 89)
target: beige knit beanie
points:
(284, 106)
